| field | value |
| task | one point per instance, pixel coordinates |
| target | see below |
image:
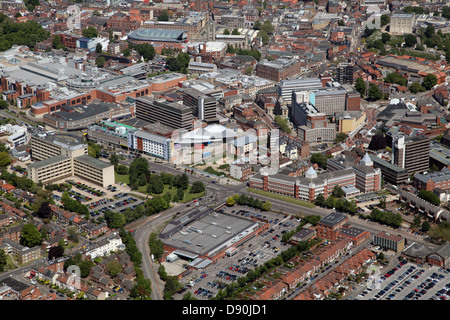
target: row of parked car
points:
(122, 203)
(204, 293)
(88, 189)
(101, 202)
(227, 276)
(78, 196)
(216, 284)
(241, 269)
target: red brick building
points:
(329, 226)
(278, 69)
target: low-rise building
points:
(389, 241)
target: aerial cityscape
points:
(224, 151)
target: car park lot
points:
(98, 199)
(409, 281)
(119, 203)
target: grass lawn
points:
(124, 178)
(282, 197)
(187, 195)
(383, 192)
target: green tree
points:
(114, 267)
(45, 211)
(429, 196)
(30, 236)
(180, 194)
(5, 159)
(162, 272)
(340, 137)
(268, 27)
(235, 32)
(56, 42)
(155, 184)
(114, 220)
(374, 92)
(156, 246)
(184, 58)
(3, 260)
(94, 150)
(385, 19)
(171, 287)
(122, 169)
(378, 142)
(283, 124)
(126, 52)
(410, 40)
(55, 252)
(164, 16)
(146, 50)
(360, 86)
(90, 32)
(338, 192)
(426, 226)
(394, 77)
(4, 105)
(429, 31)
(188, 296)
(265, 38)
(226, 32)
(320, 159)
(100, 62)
(114, 159)
(173, 63)
(142, 289)
(416, 87)
(197, 187)
(429, 81)
(267, 205)
(98, 48)
(230, 201)
(320, 200)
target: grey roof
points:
(99, 164)
(81, 111)
(435, 211)
(332, 219)
(442, 175)
(443, 250)
(418, 250)
(148, 34)
(150, 136)
(386, 164)
(49, 161)
(14, 284)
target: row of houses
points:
(91, 230)
(98, 285)
(332, 281)
(303, 271)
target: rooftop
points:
(150, 34)
(333, 219)
(99, 164)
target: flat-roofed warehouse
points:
(204, 235)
